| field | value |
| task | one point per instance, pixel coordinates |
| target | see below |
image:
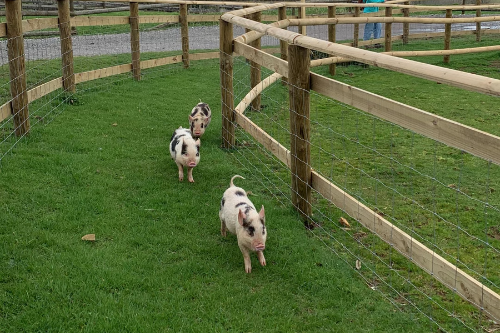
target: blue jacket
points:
(371, 9)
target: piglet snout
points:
(260, 247)
(192, 164)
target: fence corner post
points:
(17, 67)
(226, 83)
(68, 79)
(134, 40)
(300, 149)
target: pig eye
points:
(251, 230)
(201, 125)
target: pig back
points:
(184, 147)
(234, 199)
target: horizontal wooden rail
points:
(451, 133)
(52, 85)
(476, 142)
(452, 77)
(312, 5)
(450, 275)
(383, 19)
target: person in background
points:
(374, 29)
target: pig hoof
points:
(248, 269)
(191, 180)
(181, 179)
(263, 262)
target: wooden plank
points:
(103, 72)
(39, 24)
(204, 55)
(159, 19)
(257, 90)
(451, 276)
(161, 61)
(476, 142)
(444, 52)
(5, 111)
(44, 89)
(262, 58)
(85, 21)
(203, 18)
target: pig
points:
(185, 151)
(199, 119)
(238, 215)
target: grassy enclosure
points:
(159, 262)
(98, 162)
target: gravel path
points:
(201, 37)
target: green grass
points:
(159, 262)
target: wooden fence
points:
(298, 159)
(293, 66)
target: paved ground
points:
(201, 37)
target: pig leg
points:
(190, 175)
(223, 228)
(181, 172)
(246, 258)
(262, 260)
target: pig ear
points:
(241, 216)
(207, 119)
(191, 119)
(262, 213)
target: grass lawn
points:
(159, 263)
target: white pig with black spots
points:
(185, 151)
(199, 119)
(238, 215)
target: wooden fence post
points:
(255, 70)
(15, 49)
(134, 40)
(388, 31)
(183, 20)
(447, 36)
(478, 24)
(283, 44)
(226, 83)
(300, 149)
(355, 38)
(332, 32)
(406, 25)
(68, 78)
